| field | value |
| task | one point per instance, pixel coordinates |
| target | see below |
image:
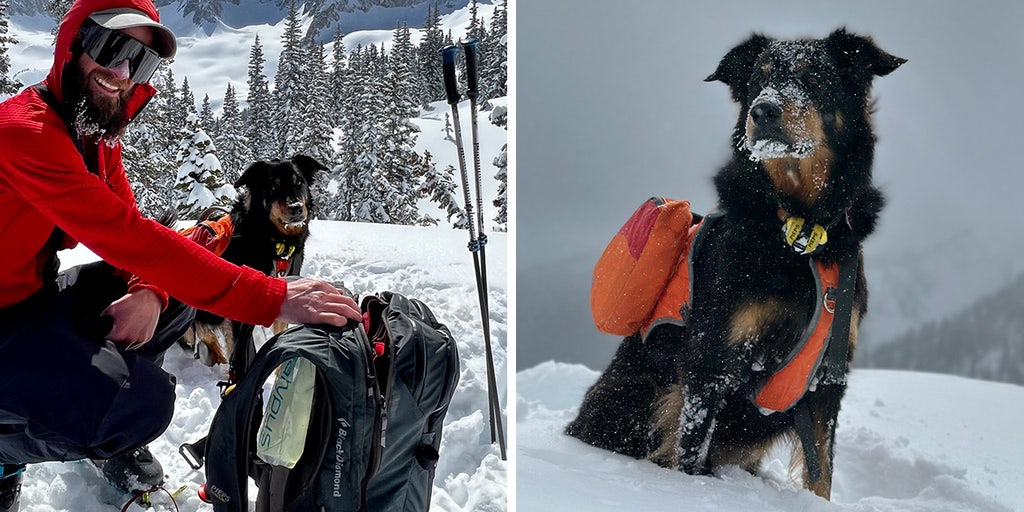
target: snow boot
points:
(10, 486)
(134, 471)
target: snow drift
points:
(906, 442)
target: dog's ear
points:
(248, 176)
(308, 165)
(737, 65)
(861, 53)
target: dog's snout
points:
(295, 208)
(766, 114)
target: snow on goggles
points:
(109, 47)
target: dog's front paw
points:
(692, 462)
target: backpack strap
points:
(673, 307)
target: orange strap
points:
(788, 385)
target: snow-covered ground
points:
(907, 442)
(431, 264)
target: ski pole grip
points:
(451, 89)
(470, 49)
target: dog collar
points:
(806, 238)
(284, 258)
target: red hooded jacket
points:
(44, 182)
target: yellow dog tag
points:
(803, 239)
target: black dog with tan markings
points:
(266, 229)
(731, 353)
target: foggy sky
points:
(612, 109)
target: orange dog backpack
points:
(214, 234)
(643, 279)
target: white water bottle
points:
(282, 433)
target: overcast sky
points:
(612, 109)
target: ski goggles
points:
(108, 48)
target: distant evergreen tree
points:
(206, 116)
(429, 57)
(339, 71)
(399, 160)
(441, 189)
(501, 202)
(188, 100)
(494, 62)
(58, 8)
(146, 162)
(499, 117)
(150, 145)
(365, 190)
(476, 25)
(232, 146)
(8, 85)
(260, 112)
(449, 130)
(170, 116)
(290, 93)
(200, 181)
(315, 138)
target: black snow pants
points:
(65, 392)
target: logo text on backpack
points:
(339, 454)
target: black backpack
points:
(375, 426)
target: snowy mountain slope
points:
(906, 442)
(180, 15)
(431, 264)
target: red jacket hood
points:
(79, 12)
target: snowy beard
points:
(93, 115)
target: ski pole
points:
(470, 51)
(475, 244)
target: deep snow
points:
(907, 442)
(431, 264)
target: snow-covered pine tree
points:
(188, 101)
(232, 146)
(399, 160)
(290, 94)
(499, 117)
(315, 136)
(58, 8)
(362, 146)
(339, 72)
(206, 117)
(441, 189)
(494, 63)
(476, 24)
(200, 181)
(8, 85)
(429, 53)
(259, 115)
(150, 145)
(449, 130)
